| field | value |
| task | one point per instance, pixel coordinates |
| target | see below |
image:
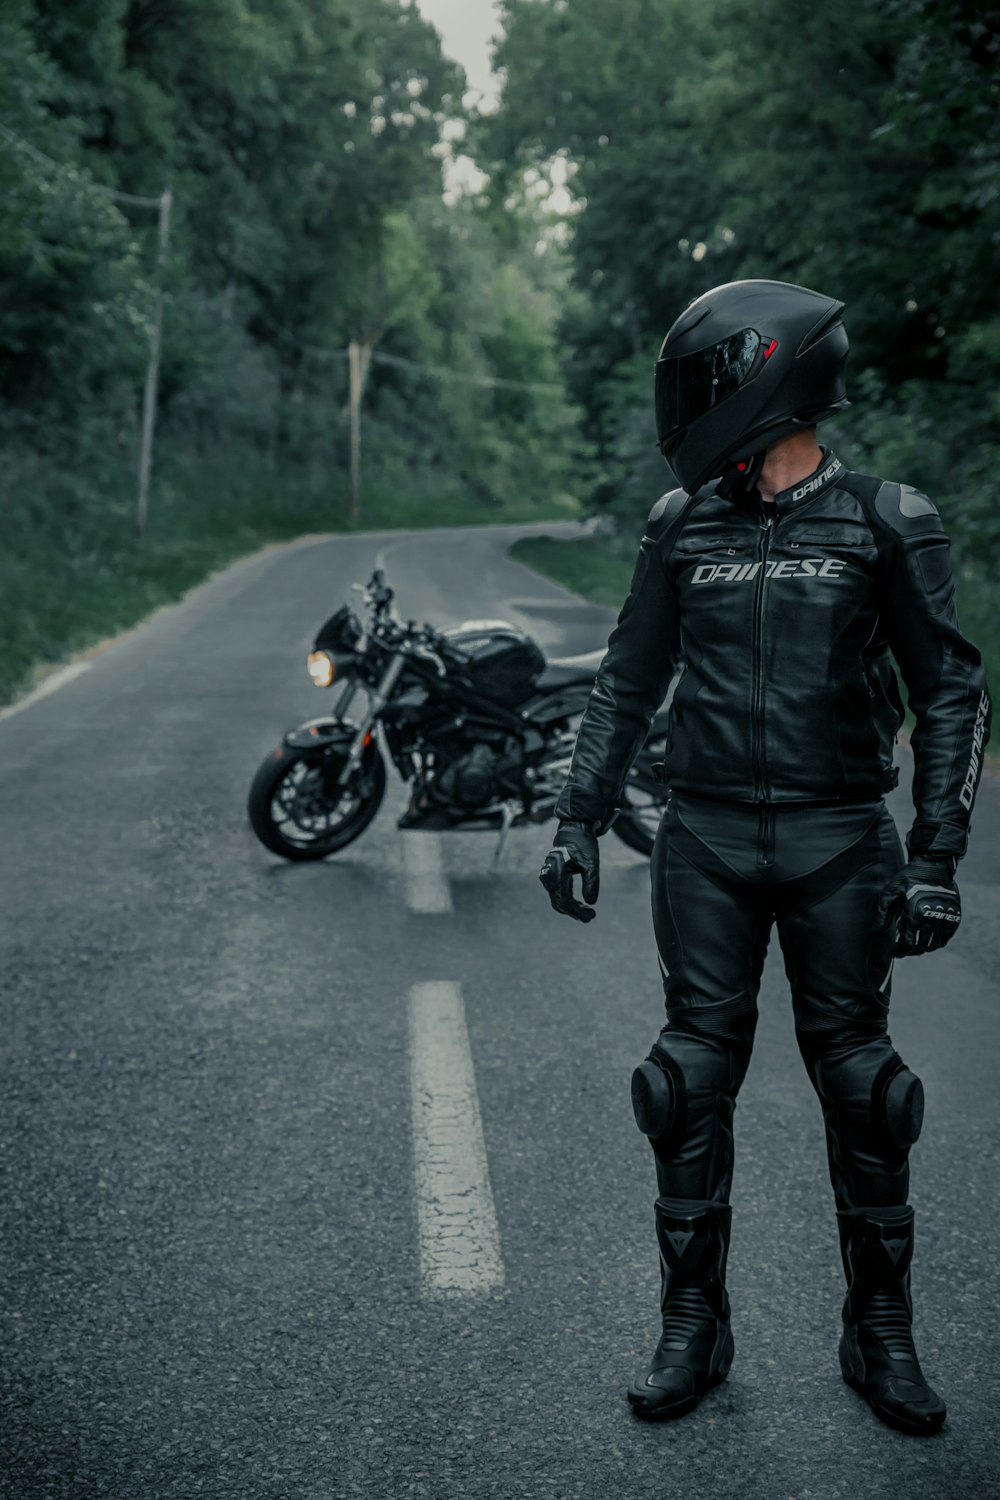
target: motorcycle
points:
(474, 717)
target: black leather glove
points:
(924, 903)
(574, 853)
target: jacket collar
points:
(823, 477)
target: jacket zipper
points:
(765, 840)
(757, 715)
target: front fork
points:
(376, 703)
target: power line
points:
(128, 197)
(442, 372)
(319, 349)
(61, 167)
(490, 381)
(355, 354)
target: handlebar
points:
(382, 595)
(427, 653)
(416, 640)
(378, 594)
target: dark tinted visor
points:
(691, 384)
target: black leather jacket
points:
(781, 619)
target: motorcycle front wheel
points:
(297, 809)
(639, 819)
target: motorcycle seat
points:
(565, 671)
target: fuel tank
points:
(503, 662)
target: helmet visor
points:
(689, 385)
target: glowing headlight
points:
(320, 668)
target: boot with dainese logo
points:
(695, 1349)
(877, 1355)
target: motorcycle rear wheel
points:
(297, 810)
(639, 819)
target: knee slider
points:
(658, 1097)
(898, 1104)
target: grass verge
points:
(586, 565)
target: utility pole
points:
(153, 368)
(354, 361)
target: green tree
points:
(854, 148)
(73, 297)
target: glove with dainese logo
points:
(923, 902)
(574, 853)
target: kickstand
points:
(508, 813)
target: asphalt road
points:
(212, 1274)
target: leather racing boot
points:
(877, 1356)
(695, 1349)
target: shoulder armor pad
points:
(668, 508)
(906, 510)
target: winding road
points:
(321, 1181)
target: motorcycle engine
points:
(458, 778)
(470, 779)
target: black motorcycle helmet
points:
(743, 365)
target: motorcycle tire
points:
(292, 797)
(639, 819)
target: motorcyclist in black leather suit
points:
(775, 584)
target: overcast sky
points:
(466, 27)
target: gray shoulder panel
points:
(666, 514)
(906, 510)
(668, 507)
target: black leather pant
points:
(722, 874)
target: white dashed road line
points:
(427, 889)
(51, 684)
(459, 1239)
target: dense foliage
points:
(303, 143)
(301, 140)
(851, 147)
(854, 147)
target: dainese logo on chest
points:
(787, 567)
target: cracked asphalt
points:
(210, 1276)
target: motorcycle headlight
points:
(320, 665)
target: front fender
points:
(320, 734)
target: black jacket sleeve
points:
(632, 680)
(943, 672)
